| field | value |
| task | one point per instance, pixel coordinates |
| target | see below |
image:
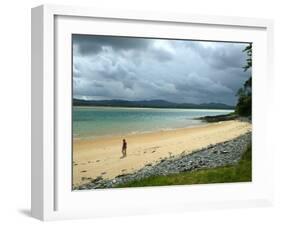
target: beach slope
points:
(102, 157)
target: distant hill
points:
(149, 104)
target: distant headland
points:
(149, 104)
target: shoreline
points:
(201, 124)
(101, 157)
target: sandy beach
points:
(102, 156)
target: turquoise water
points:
(93, 122)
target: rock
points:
(99, 178)
(201, 162)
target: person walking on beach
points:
(124, 148)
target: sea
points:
(95, 122)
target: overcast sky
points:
(107, 67)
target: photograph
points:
(160, 112)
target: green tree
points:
(244, 104)
(248, 51)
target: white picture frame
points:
(51, 198)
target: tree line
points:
(244, 104)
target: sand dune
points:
(101, 157)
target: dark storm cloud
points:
(89, 44)
(162, 55)
(220, 55)
(137, 69)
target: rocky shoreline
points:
(227, 117)
(219, 118)
(222, 154)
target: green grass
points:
(241, 172)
